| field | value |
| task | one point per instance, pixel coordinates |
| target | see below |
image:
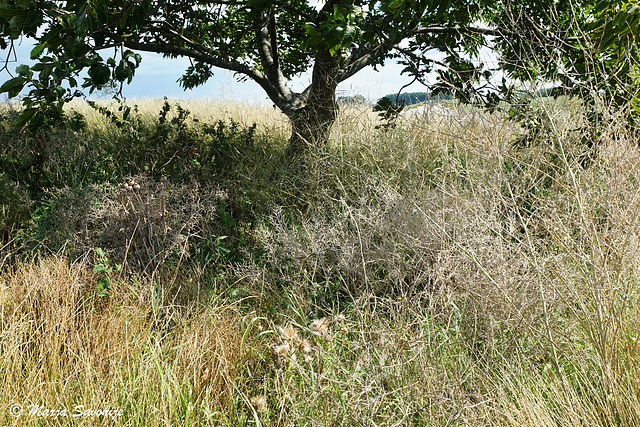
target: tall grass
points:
(453, 270)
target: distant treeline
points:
(416, 97)
(409, 98)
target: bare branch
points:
(492, 32)
(359, 60)
(167, 29)
(274, 41)
(461, 30)
(262, 42)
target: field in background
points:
(454, 269)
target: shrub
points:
(14, 208)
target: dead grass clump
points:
(64, 346)
(518, 254)
(212, 360)
(143, 227)
(378, 243)
(543, 399)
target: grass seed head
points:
(289, 333)
(320, 326)
(305, 346)
(259, 403)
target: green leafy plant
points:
(14, 208)
(105, 270)
(388, 111)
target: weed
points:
(105, 273)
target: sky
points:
(157, 77)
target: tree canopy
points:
(271, 41)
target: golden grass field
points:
(435, 274)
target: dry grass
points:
(63, 346)
(202, 110)
(439, 275)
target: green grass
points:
(444, 272)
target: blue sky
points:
(157, 77)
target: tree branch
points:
(267, 46)
(462, 30)
(274, 92)
(274, 41)
(262, 43)
(168, 29)
(359, 60)
(282, 4)
(493, 32)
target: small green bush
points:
(14, 208)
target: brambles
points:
(14, 208)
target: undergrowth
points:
(453, 269)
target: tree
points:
(613, 57)
(271, 41)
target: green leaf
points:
(13, 86)
(7, 11)
(24, 117)
(24, 71)
(125, 114)
(99, 268)
(128, 54)
(23, 4)
(80, 49)
(37, 51)
(100, 74)
(123, 72)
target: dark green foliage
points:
(410, 98)
(104, 271)
(120, 122)
(173, 145)
(388, 111)
(54, 157)
(14, 208)
(39, 166)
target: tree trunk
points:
(310, 129)
(312, 123)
